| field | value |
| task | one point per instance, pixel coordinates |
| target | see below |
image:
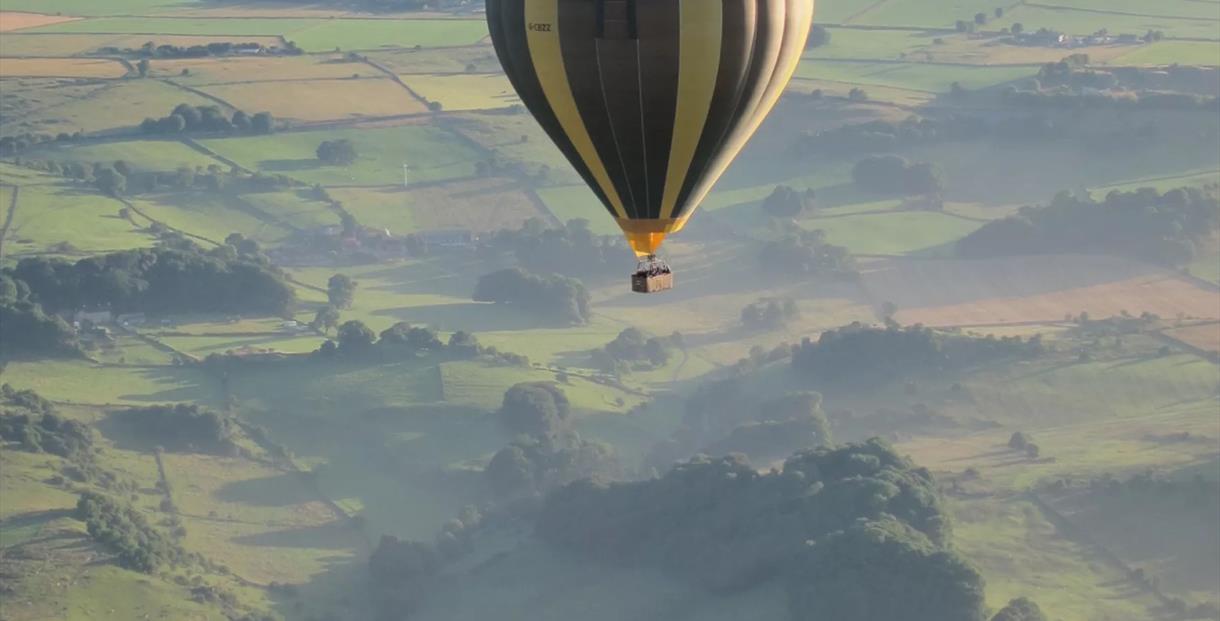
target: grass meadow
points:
(434, 155)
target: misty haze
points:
(610, 310)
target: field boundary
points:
(1081, 536)
(200, 148)
(1079, 9)
(130, 205)
(195, 91)
(398, 80)
(8, 218)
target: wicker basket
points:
(646, 283)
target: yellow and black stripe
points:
(650, 100)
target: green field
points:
(1167, 8)
(313, 35)
(434, 154)
(941, 13)
(578, 202)
(140, 154)
(872, 44)
(83, 382)
(383, 208)
(122, 105)
(297, 209)
(1086, 22)
(926, 77)
(202, 346)
(897, 233)
(419, 292)
(1022, 554)
(50, 215)
(209, 216)
(87, 8)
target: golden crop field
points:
(16, 20)
(260, 68)
(465, 92)
(1032, 289)
(1203, 336)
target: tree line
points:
(633, 349)
(770, 314)
(725, 416)
(1144, 223)
(571, 249)
(402, 340)
(150, 49)
(806, 253)
(553, 296)
(30, 421)
(121, 178)
(125, 531)
(164, 279)
(26, 329)
(858, 355)
(185, 118)
(182, 427)
(893, 174)
(13, 145)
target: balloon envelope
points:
(650, 100)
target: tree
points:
(340, 152)
(26, 330)
(463, 344)
(110, 182)
(412, 339)
(554, 295)
(980, 18)
(999, 12)
(631, 346)
(341, 291)
(1018, 441)
(1020, 609)
(536, 409)
(262, 123)
(325, 319)
(892, 174)
(881, 571)
(1018, 28)
(241, 121)
(355, 337)
(818, 36)
(190, 114)
(785, 202)
(142, 67)
(857, 94)
(510, 471)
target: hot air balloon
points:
(650, 100)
